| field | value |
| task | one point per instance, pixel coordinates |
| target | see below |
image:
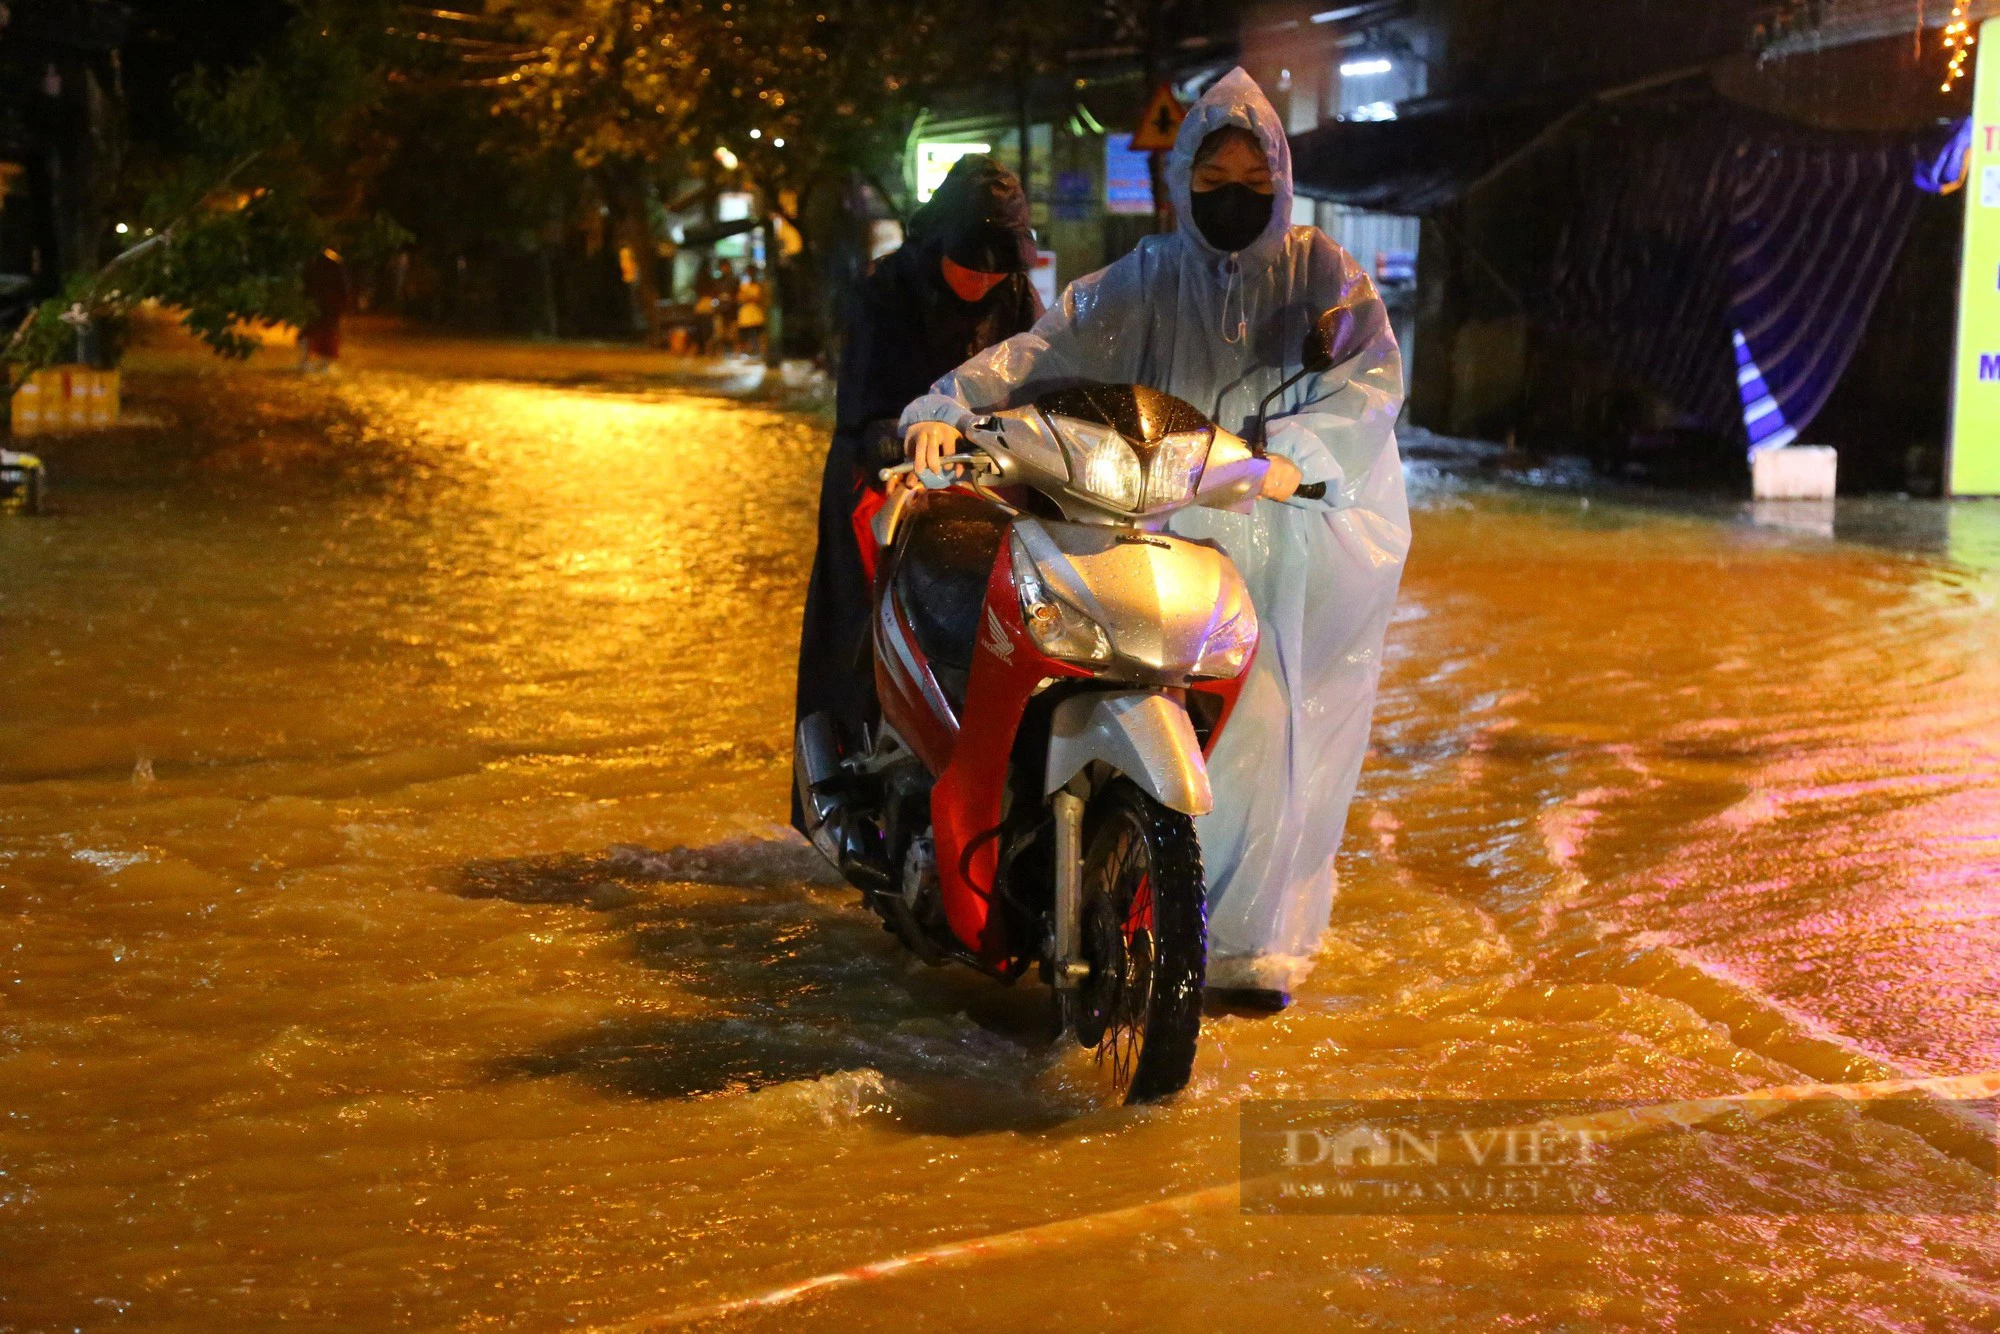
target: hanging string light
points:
(1959, 40)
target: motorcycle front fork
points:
(1068, 970)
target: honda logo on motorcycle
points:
(996, 638)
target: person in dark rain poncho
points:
(957, 286)
(1215, 313)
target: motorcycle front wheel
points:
(1145, 937)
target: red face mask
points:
(970, 284)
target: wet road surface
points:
(397, 928)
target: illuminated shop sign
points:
(1128, 177)
(1975, 431)
(935, 161)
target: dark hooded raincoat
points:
(907, 329)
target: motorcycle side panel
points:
(912, 701)
(1143, 734)
(1226, 693)
(966, 803)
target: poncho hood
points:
(1234, 100)
(979, 218)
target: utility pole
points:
(1156, 74)
(1024, 85)
(774, 323)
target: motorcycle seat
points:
(948, 554)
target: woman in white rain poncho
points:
(1216, 314)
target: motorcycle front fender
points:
(1144, 734)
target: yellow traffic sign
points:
(1160, 123)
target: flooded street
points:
(398, 927)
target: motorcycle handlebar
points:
(980, 461)
(977, 460)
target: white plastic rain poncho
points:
(1222, 331)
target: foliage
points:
(828, 86)
(832, 87)
(233, 265)
(600, 80)
(501, 126)
(52, 331)
(263, 181)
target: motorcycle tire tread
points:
(1180, 915)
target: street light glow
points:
(122, 229)
(935, 159)
(725, 157)
(756, 134)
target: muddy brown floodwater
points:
(397, 928)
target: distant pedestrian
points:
(725, 309)
(702, 329)
(331, 297)
(750, 312)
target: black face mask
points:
(1231, 217)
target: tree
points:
(800, 97)
(608, 83)
(266, 175)
(809, 97)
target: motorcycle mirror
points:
(1315, 358)
(1317, 354)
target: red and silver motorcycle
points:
(1054, 669)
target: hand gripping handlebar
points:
(980, 461)
(977, 460)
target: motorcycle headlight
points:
(1176, 468)
(1226, 651)
(1102, 463)
(1058, 629)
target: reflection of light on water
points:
(1798, 516)
(607, 543)
(378, 989)
(1975, 533)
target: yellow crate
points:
(66, 398)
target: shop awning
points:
(1837, 23)
(1420, 162)
(709, 233)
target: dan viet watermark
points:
(1819, 1155)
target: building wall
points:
(61, 117)
(1485, 369)
(1320, 72)
(1378, 240)
(1525, 45)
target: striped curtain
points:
(1814, 229)
(1731, 260)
